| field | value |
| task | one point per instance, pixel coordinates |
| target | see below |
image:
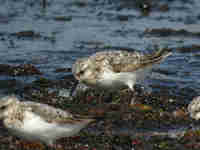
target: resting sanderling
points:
(194, 108)
(39, 122)
(114, 70)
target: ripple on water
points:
(99, 25)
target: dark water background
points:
(68, 29)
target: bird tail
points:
(156, 57)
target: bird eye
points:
(3, 107)
(82, 72)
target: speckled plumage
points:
(116, 69)
(35, 121)
(194, 108)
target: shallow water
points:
(77, 28)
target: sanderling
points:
(194, 108)
(114, 70)
(39, 122)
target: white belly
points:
(35, 128)
(121, 80)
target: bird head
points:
(83, 69)
(5, 103)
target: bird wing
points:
(128, 61)
(51, 114)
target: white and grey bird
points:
(194, 108)
(39, 122)
(114, 70)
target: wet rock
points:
(120, 123)
(29, 33)
(80, 3)
(63, 70)
(188, 49)
(164, 7)
(145, 6)
(190, 139)
(122, 18)
(63, 18)
(164, 32)
(42, 82)
(48, 91)
(20, 70)
(9, 86)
